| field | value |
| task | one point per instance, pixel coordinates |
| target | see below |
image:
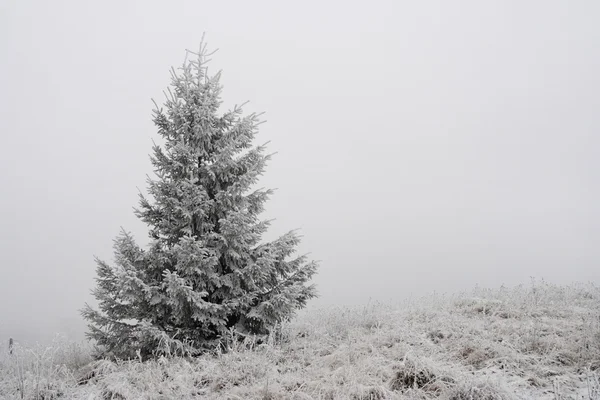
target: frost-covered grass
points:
(535, 342)
(42, 372)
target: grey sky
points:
(422, 146)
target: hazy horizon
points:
(420, 147)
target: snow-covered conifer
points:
(206, 270)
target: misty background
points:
(421, 146)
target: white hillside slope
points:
(536, 342)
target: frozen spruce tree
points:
(206, 272)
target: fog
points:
(421, 146)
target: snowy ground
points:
(534, 342)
